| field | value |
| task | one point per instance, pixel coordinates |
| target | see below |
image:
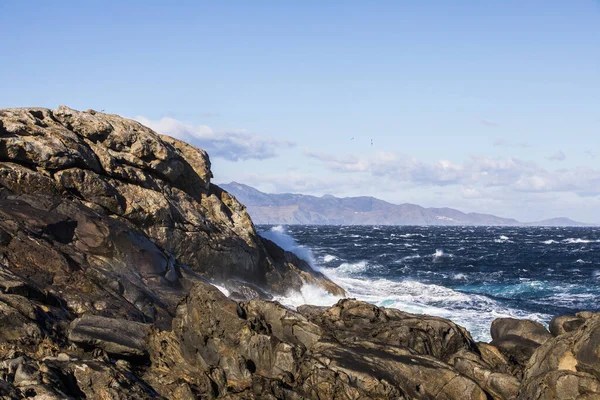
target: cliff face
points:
(100, 197)
(108, 235)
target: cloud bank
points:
(475, 173)
(236, 145)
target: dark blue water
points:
(468, 274)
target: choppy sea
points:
(470, 275)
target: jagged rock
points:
(351, 320)
(159, 185)
(261, 341)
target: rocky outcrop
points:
(156, 187)
(109, 237)
(261, 349)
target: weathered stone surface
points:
(530, 330)
(115, 336)
(260, 340)
(109, 234)
(351, 320)
(567, 365)
(160, 185)
(518, 339)
(565, 323)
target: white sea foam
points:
(352, 268)
(550, 241)
(308, 294)
(459, 276)
(409, 235)
(329, 258)
(439, 253)
(580, 261)
(503, 239)
(579, 240)
(475, 312)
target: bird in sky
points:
(371, 142)
(352, 138)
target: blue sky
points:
(488, 106)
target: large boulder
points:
(517, 338)
(566, 366)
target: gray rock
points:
(115, 336)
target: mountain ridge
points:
(300, 209)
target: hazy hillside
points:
(290, 208)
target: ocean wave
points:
(579, 241)
(329, 258)
(473, 311)
(503, 239)
(439, 253)
(550, 241)
(352, 268)
(308, 294)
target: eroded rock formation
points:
(109, 235)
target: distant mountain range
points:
(294, 209)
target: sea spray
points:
(279, 235)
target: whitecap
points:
(439, 253)
(503, 239)
(308, 294)
(550, 241)
(352, 268)
(579, 240)
(329, 258)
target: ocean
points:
(470, 275)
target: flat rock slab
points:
(115, 336)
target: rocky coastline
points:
(112, 238)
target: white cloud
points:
(231, 145)
(558, 156)
(476, 173)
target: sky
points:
(485, 106)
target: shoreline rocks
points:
(110, 238)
